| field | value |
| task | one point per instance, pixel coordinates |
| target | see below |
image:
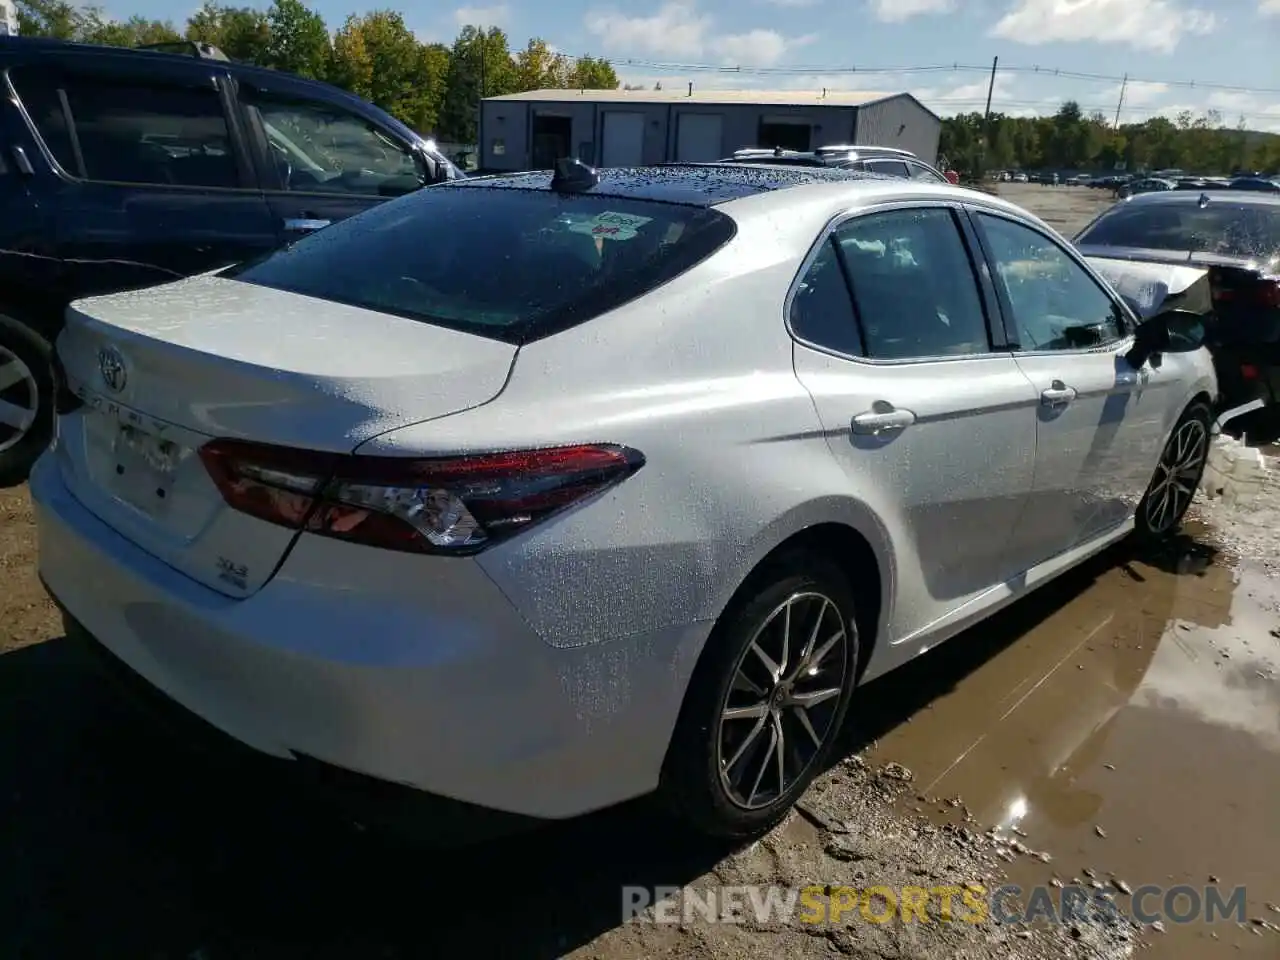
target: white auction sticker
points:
(611, 226)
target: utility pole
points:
(986, 121)
(1124, 85)
(484, 42)
(991, 89)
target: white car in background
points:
(626, 487)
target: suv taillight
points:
(453, 505)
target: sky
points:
(1180, 54)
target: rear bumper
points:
(444, 688)
(419, 815)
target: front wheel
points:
(1177, 474)
(766, 702)
(26, 399)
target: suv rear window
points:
(510, 264)
(1231, 229)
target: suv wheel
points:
(26, 399)
(767, 701)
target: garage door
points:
(700, 137)
(623, 139)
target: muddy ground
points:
(1119, 728)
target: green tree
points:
(591, 73)
(49, 18)
(97, 28)
(242, 33)
(299, 39)
(480, 65)
(538, 67)
(376, 56)
(350, 65)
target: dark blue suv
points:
(125, 168)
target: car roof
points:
(39, 47)
(1222, 195)
(692, 184)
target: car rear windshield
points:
(509, 264)
(1230, 229)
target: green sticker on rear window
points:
(610, 225)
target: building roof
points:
(716, 97)
(695, 184)
(681, 94)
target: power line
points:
(820, 70)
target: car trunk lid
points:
(161, 372)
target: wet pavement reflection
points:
(1133, 731)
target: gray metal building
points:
(617, 128)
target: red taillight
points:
(437, 505)
(1248, 371)
(1263, 294)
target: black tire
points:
(692, 785)
(36, 354)
(1155, 521)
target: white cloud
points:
(1137, 93)
(679, 30)
(1143, 24)
(792, 4)
(481, 16)
(1269, 8)
(897, 11)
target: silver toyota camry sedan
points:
(541, 492)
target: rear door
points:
(921, 402)
(1100, 422)
(320, 160)
(153, 182)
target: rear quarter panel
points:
(699, 377)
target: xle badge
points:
(236, 574)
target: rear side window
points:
(1232, 229)
(514, 265)
(891, 168)
(913, 285)
(919, 171)
(131, 133)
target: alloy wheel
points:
(19, 399)
(1177, 475)
(781, 707)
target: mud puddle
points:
(1123, 730)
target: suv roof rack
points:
(864, 147)
(186, 48)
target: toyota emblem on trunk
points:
(111, 366)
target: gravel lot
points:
(1120, 727)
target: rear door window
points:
(511, 264)
(914, 287)
(125, 132)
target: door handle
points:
(875, 423)
(303, 224)
(1057, 395)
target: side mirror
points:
(1171, 331)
